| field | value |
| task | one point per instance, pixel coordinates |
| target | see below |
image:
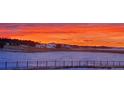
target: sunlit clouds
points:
(79, 34)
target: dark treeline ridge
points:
(16, 42)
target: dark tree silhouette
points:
(16, 42)
(58, 46)
(2, 44)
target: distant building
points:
(23, 46)
(40, 46)
(65, 46)
(51, 45)
(7, 44)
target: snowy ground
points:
(58, 56)
(65, 56)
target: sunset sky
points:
(88, 34)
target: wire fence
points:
(39, 65)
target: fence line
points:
(61, 64)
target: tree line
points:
(16, 42)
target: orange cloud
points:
(80, 34)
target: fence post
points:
(17, 65)
(63, 63)
(101, 64)
(72, 63)
(55, 63)
(87, 63)
(27, 64)
(37, 65)
(79, 63)
(119, 63)
(94, 64)
(46, 64)
(107, 64)
(113, 64)
(5, 65)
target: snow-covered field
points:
(64, 56)
(57, 56)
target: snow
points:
(13, 57)
(60, 56)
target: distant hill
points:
(16, 42)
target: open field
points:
(60, 59)
(35, 50)
(60, 55)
